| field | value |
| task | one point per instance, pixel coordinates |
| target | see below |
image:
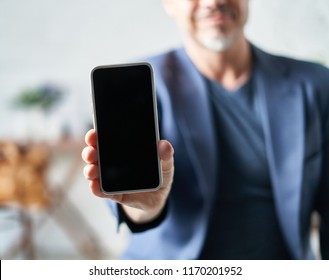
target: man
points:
(251, 138)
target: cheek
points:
(185, 18)
(186, 22)
(244, 12)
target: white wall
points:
(60, 41)
(299, 28)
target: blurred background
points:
(47, 49)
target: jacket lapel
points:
(195, 119)
(282, 113)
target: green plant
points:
(44, 97)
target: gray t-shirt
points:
(244, 223)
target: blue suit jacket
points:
(295, 119)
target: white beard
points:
(217, 44)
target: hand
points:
(139, 207)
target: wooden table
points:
(24, 186)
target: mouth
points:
(216, 18)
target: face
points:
(213, 24)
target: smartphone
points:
(126, 122)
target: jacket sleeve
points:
(137, 228)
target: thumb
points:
(166, 152)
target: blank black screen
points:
(126, 127)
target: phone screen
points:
(125, 118)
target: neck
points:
(231, 68)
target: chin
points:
(217, 44)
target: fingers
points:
(91, 138)
(90, 171)
(89, 154)
(95, 188)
